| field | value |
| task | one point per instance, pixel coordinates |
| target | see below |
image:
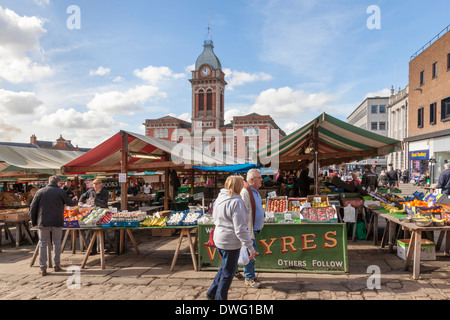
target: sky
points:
(86, 69)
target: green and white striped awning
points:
(337, 142)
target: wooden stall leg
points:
(130, 234)
(88, 252)
(192, 248)
(410, 250)
(447, 243)
(35, 254)
(66, 235)
(417, 247)
(102, 249)
(177, 251)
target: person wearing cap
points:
(98, 195)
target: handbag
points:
(210, 242)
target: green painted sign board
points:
(303, 247)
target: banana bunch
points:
(392, 209)
(154, 222)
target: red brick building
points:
(428, 140)
(240, 138)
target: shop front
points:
(418, 163)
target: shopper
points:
(231, 233)
(444, 180)
(383, 179)
(147, 188)
(253, 202)
(393, 177)
(67, 187)
(47, 214)
(405, 176)
(304, 182)
(369, 179)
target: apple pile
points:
(276, 205)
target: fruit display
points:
(94, 216)
(322, 214)
(133, 216)
(294, 204)
(319, 204)
(277, 204)
(154, 222)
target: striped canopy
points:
(145, 153)
(336, 142)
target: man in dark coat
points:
(47, 214)
(369, 180)
(444, 181)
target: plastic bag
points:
(244, 257)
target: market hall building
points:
(239, 139)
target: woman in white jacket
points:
(230, 234)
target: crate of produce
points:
(427, 250)
(318, 201)
(354, 202)
(105, 225)
(69, 224)
(294, 204)
(446, 216)
(323, 215)
(418, 195)
(276, 204)
(176, 218)
(116, 224)
(191, 218)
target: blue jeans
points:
(224, 277)
(249, 269)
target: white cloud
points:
(118, 79)
(184, 116)
(291, 127)
(19, 36)
(382, 93)
(8, 132)
(229, 114)
(287, 103)
(72, 119)
(154, 75)
(238, 78)
(115, 102)
(42, 2)
(15, 103)
(101, 71)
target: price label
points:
(287, 216)
(122, 177)
(317, 200)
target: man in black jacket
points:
(369, 180)
(47, 214)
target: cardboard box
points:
(163, 232)
(427, 251)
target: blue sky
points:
(131, 60)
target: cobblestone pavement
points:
(147, 277)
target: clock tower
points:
(208, 90)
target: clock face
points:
(205, 71)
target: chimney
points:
(33, 139)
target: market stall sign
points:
(419, 155)
(111, 184)
(305, 247)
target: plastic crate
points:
(106, 225)
(418, 195)
(116, 224)
(71, 224)
(131, 224)
(178, 223)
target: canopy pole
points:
(316, 159)
(124, 170)
(166, 189)
(192, 179)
